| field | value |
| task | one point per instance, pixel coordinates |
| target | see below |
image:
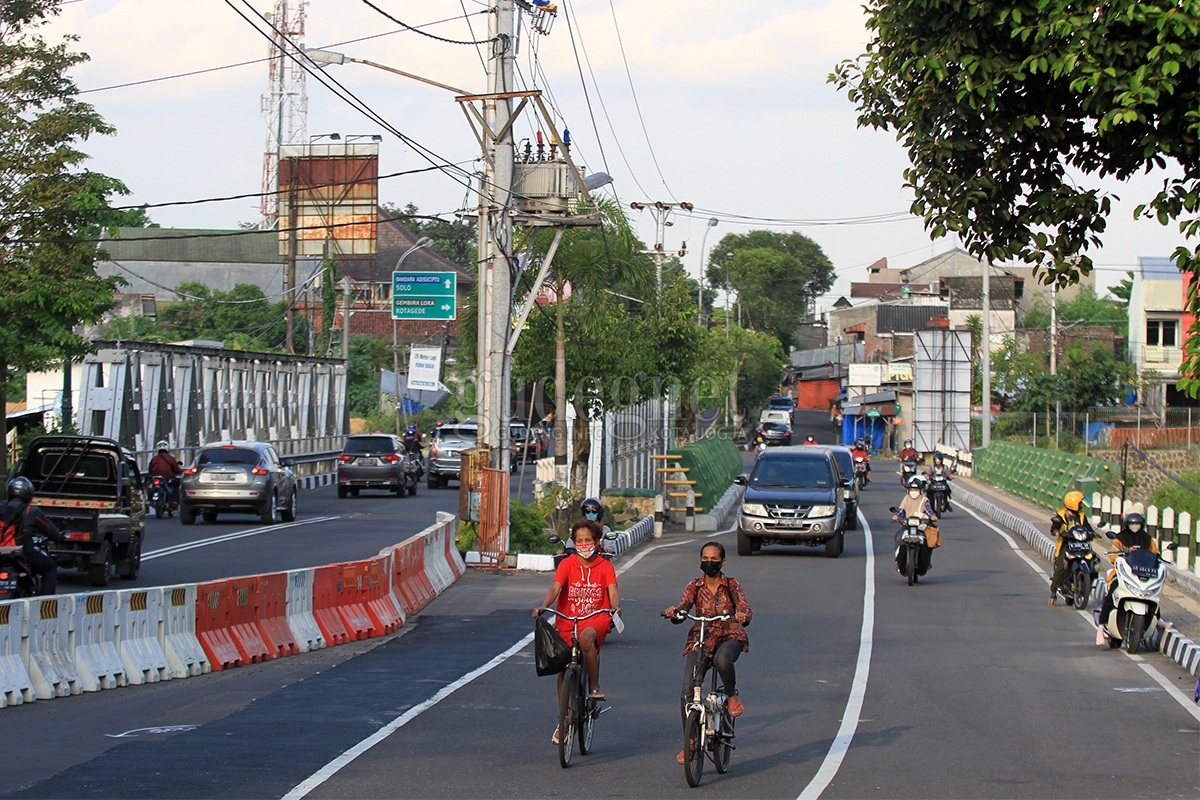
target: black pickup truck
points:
(91, 489)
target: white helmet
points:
(162, 444)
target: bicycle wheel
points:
(723, 745)
(693, 749)
(566, 715)
(587, 714)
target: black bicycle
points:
(577, 711)
(708, 730)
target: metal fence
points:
(1103, 428)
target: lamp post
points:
(424, 241)
(712, 223)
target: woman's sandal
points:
(679, 758)
(596, 694)
(554, 738)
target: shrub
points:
(1172, 495)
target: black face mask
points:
(711, 568)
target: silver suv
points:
(445, 452)
(238, 477)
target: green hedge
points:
(1040, 476)
(712, 464)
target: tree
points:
(1002, 105)
(456, 240)
(1085, 308)
(47, 200)
(775, 276)
(242, 318)
(1123, 291)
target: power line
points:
(405, 25)
(187, 296)
(741, 219)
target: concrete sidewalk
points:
(1180, 601)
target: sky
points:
(721, 104)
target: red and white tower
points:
(285, 108)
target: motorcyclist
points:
(939, 468)
(1133, 535)
(1069, 516)
(810, 439)
(592, 510)
(915, 504)
(412, 448)
(908, 452)
(166, 466)
(860, 451)
(32, 528)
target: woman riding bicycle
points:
(590, 584)
(715, 594)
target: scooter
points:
(16, 578)
(568, 547)
(860, 472)
(1136, 594)
(160, 497)
(910, 544)
(938, 493)
(907, 470)
(411, 475)
(1082, 566)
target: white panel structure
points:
(942, 390)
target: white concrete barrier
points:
(94, 639)
(299, 611)
(436, 566)
(138, 614)
(51, 663)
(15, 685)
(177, 632)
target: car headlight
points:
(822, 511)
(754, 509)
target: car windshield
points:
(228, 455)
(517, 432)
(791, 473)
(369, 445)
(74, 470)
(447, 433)
(774, 426)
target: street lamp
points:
(331, 136)
(423, 242)
(712, 223)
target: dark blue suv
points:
(792, 497)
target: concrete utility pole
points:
(495, 239)
(347, 301)
(289, 281)
(986, 359)
(660, 211)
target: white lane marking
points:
(649, 550)
(858, 690)
(329, 770)
(1178, 696)
(133, 734)
(229, 537)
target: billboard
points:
(865, 375)
(334, 187)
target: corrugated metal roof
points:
(1159, 269)
(195, 245)
(827, 355)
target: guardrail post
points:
(689, 524)
(1183, 554)
(1168, 528)
(1152, 524)
(658, 516)
(1105, 510)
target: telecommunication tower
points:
(285, 107)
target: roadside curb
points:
(317, 481)
(1179, 648)
(716, 519)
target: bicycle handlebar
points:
(608, 611)
(698, 619)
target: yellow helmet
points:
(1073, 500)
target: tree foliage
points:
(1085, 308)
(456, 240)
(775, 276)
(1002, 104)
(1088, 375)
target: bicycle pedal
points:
(600, 711)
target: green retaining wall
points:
(712, 464)
(1040, 476)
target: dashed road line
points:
(229, 537)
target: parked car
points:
(776, 433)
(91, 490)
(793, 497)
(371, 461)
(445, 452)
(781, 401)
(844, 459)
(239, 478)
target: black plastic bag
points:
(550, 653)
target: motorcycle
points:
(160, 497)
(413, 470)
(16, 578)
(860, 472)
(938, 493)
(567, 547)
(1082, 566)
(907, 470)
(909, 546)
(1136, 594)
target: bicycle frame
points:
(583, 708)
(709, 708)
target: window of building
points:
(1162, 332)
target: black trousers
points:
(44, 566)
(696, 665)
(924, 557)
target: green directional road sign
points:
(424, 295)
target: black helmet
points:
(937, 458)
(592, 506)
(1135, 519)
(810, 438)
(20, 488)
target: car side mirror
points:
(288, 462)
(740, 480)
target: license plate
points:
(223, 477)
(368, 462)
(7, 587)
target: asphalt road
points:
(327, 530)
(972, 688)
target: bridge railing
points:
(311, 456)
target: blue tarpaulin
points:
(856, 427)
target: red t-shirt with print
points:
(585, 589)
